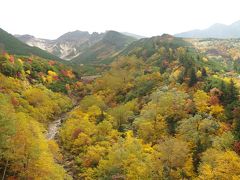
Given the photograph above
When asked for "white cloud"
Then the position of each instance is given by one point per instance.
(51, 18)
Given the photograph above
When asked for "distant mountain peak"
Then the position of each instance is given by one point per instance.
(217, 30)
(115, 37)
(111, 32)
(167, 36)
(73, 35)
(24, 37)
(112, 43)
(72, 44)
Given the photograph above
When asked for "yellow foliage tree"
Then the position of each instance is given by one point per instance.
(219, 165)
(201, 100)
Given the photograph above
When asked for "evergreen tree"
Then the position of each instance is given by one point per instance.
(197, 155)
(193, 78)
(198, 58)
(237, 129)
(223, 89)
(232, 93)
(230, 100)
(236, 115)
(204, 72)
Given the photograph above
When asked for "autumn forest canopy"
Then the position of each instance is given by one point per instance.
(150, 108)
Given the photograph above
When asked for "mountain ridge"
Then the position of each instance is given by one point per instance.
(103, 51)
(71, 44)
(216, 30)
(11, 44)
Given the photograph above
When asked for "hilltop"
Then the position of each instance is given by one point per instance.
(104, 51)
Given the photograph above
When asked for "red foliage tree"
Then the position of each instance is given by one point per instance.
(236, 147)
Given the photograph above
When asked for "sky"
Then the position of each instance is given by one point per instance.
(51, 18)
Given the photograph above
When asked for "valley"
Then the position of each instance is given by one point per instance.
(123, 108)
(119, 90)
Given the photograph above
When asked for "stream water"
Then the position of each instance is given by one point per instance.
(52, 133)
(53, 128)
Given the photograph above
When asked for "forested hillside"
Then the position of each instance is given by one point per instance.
(26, 108)
(12, 45)
(163, 109)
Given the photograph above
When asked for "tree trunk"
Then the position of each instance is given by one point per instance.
(5, 170)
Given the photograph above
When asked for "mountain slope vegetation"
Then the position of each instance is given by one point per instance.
(26, 109)
(12, 45)
(163, 108)
(162, 111)
(104, 50)
(147, 47)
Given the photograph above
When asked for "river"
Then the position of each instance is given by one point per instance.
(53, 128)
(52, 134)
